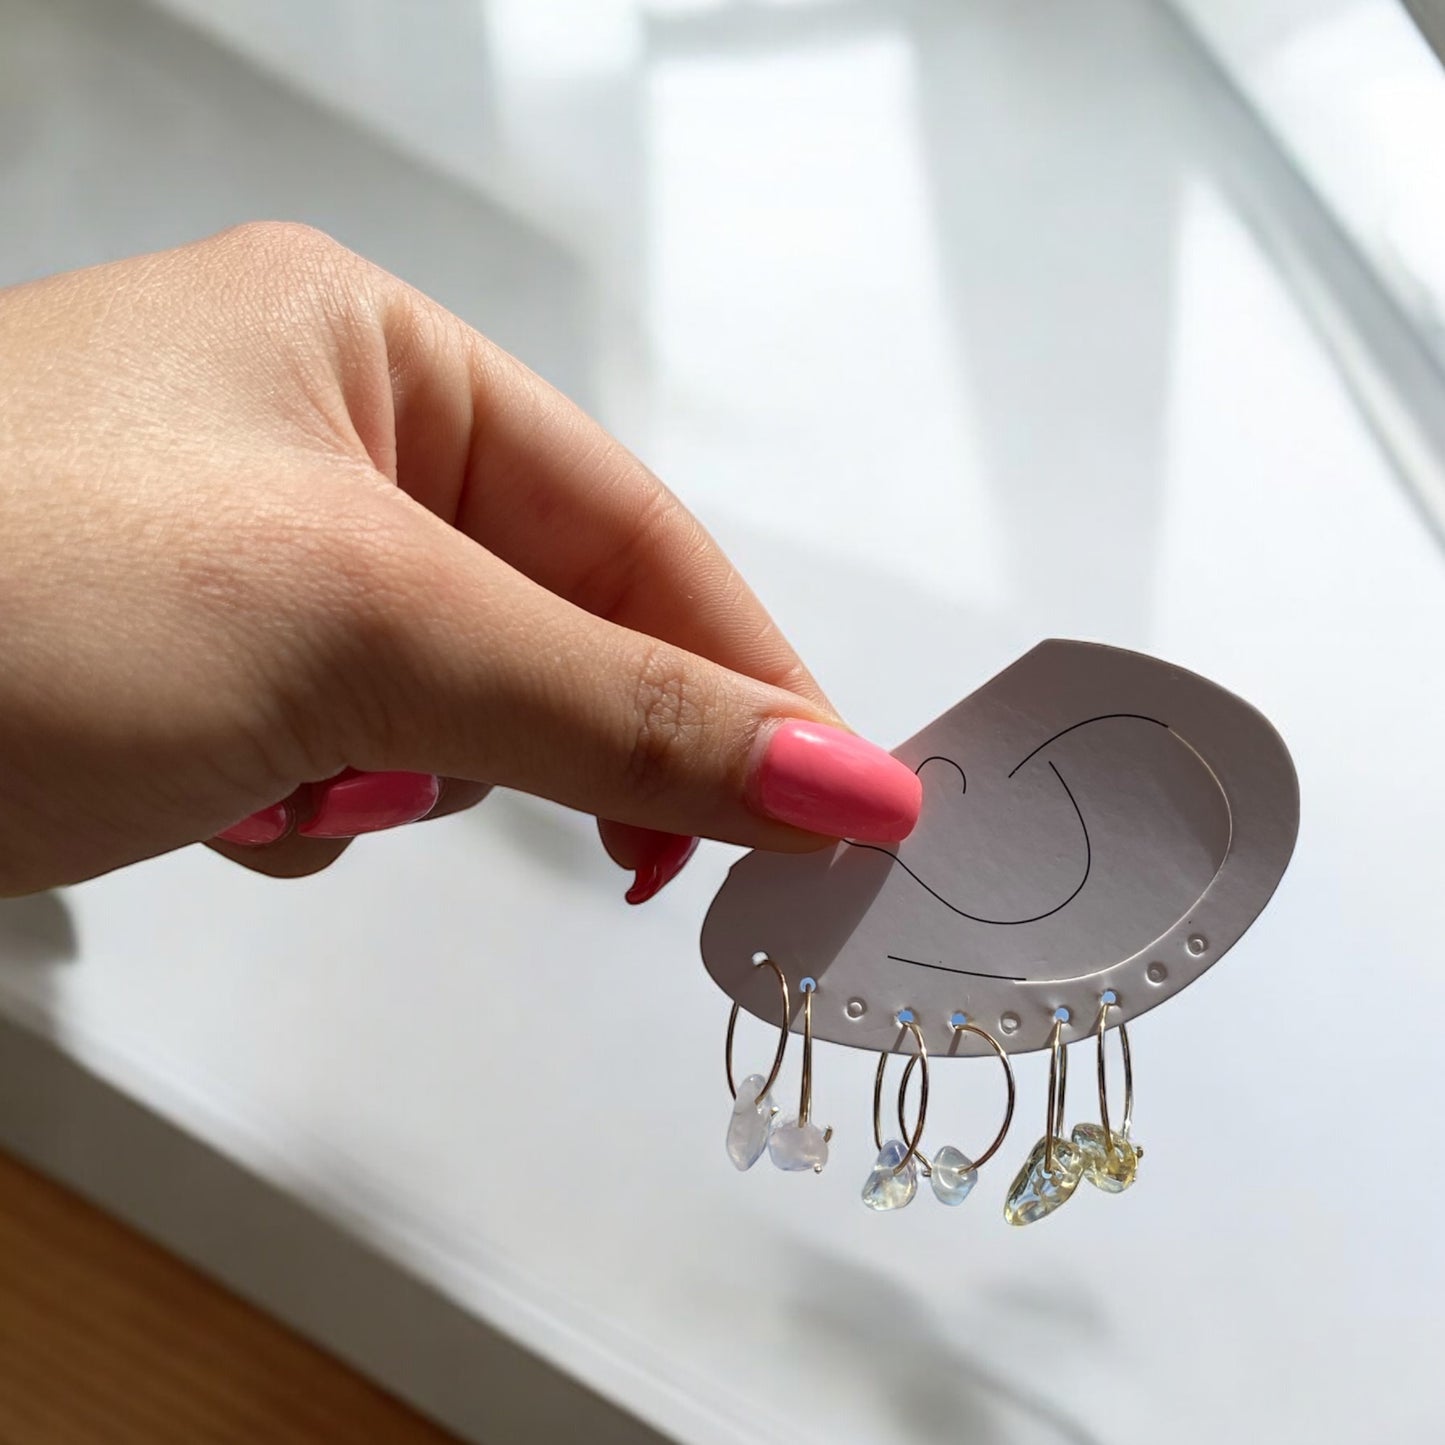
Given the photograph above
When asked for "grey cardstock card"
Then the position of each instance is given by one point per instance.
(1093, 819)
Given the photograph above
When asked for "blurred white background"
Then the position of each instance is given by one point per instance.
(960, 325)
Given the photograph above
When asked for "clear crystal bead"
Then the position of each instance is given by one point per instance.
(887, 1189)
(794, 1146)
(1110, 1166)
(953, 1175)
(749, 1125)
(1038, 1191)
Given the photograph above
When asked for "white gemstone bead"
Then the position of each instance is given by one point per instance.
(886, 1189)
(794, 1146)
(752, 1119)
(953, 1175)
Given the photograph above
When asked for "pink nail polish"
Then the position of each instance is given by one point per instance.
(831, 782)
(270, 825)
(660, 864)
(356, 803)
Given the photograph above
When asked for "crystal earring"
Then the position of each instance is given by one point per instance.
(894, 1179)
(951, 1172)
(1110, 1157)
(753, 1107)
(1054, 1167)
(795, 1143)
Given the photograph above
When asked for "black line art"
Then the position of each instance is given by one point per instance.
(944, 968)
(1102, 717)
(939, 758)
(1002, 922)
(1078, 813)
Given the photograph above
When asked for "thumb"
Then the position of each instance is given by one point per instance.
(491, 677)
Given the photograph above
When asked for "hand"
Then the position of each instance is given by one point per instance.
(272, 518)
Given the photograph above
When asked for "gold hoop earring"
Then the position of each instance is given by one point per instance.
(795, 1143)
(753, 1107)
(1054, 1167)
(894, 1178)
(951, 1172)
(1110, 1157)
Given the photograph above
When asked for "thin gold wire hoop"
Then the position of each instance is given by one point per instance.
(805, 1096)
(1058, 1085)
(922, 1057)
(805, 1093)
(1104, 1006)
(782, 1036)
(1008, 1113)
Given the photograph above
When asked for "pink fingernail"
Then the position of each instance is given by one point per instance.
(831, 782)
(660, 864)
(356, 803)
(270, 825)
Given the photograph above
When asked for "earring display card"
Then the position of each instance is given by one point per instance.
(1093, 819)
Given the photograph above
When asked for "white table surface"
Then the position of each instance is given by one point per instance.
(948, 321)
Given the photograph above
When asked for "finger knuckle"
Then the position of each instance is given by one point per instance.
(267, 244)
(285, 269)
(671, 717)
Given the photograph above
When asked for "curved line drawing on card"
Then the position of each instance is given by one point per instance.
(998, 922)
(1088, 845)
(939, 758)
(1088, 721)
(1078, 813)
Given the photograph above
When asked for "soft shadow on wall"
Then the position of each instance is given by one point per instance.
(38, 938)
(941, 1392)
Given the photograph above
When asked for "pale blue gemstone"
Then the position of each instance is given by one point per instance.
(887, 1189)
(953, 1175)
(748, 1128)
(794, 1146)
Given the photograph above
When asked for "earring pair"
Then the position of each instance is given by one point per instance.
(893, 1181)
(1107, 1157)
(1103, 1155)
(794, 1143)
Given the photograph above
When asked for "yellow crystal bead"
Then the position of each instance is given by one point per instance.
(1112, 1169)
(1038, 1191)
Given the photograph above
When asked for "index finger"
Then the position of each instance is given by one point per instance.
(523, 471)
